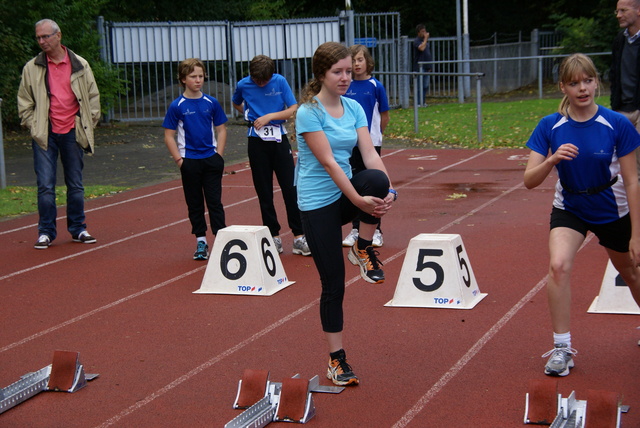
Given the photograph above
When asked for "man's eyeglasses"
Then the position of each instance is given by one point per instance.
(45, 37)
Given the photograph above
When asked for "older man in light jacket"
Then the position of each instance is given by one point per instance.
(59, 102)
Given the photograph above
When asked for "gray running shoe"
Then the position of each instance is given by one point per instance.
(278, 242)
(300, 246)
(560, 360)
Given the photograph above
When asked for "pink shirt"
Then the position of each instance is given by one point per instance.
(63, 103)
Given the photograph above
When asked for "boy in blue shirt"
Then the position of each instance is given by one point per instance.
(266, 101)
(189, 135)
(371, 95)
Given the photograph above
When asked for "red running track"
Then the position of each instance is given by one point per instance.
(168, 357)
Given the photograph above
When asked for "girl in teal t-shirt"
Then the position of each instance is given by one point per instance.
(328, 127)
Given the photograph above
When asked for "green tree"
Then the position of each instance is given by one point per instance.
(274, 9)
(78, 17)
(588, 34)
(77, 20)
(12, 52)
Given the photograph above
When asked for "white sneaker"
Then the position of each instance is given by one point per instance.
(42, 243)
(84, 238)
(377, 239)
(351, 238)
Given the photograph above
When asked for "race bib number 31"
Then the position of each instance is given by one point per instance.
(270, 133)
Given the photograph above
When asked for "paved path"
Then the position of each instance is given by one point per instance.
(127, 154)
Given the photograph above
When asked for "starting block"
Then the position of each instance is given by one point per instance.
(244, 260)
(64, 374)
(266, 401)
(544, 406)
(615, 296)
(436, 273)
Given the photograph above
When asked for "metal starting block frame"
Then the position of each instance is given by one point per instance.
(65, 373)
(287, 401)
(543, 403)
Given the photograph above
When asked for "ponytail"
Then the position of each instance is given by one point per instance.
(310, 90)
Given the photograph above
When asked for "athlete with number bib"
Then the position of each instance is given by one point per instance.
(592, 149)
(266, 101)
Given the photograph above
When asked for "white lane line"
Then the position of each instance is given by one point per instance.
(126, 201)
(109, 244)
(98, 310)
(97, 209)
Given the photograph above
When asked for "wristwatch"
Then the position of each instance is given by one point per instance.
(395, 194)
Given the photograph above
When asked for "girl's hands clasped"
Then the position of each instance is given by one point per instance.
(375, 206)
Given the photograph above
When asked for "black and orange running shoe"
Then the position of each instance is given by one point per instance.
(369, 264)
(340, 371)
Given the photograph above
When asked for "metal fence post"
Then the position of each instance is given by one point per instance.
(479, 107)
(3, 173)
(405, 81)
(350, 28)
(540, 77)
(415, 103)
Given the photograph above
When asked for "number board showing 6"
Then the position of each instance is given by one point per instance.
(244, 260)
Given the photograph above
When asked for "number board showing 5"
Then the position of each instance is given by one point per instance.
(429, 266)
(436, 273)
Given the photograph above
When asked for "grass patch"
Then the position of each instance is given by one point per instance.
(15, 201)
(504, 124)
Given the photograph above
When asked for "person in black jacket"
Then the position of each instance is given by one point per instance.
(422, 54)
(625, 67)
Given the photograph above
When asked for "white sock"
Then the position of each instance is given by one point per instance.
(201, 239)
(562, 338)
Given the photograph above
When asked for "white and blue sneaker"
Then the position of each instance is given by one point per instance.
(42, 243)
(350, 239)
(377, 239)
(84, 238)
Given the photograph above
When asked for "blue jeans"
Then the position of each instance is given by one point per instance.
(424, 89)
(45, 164)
